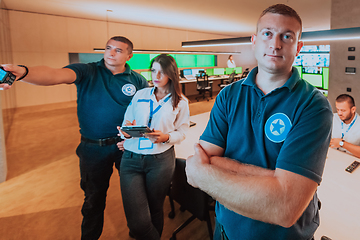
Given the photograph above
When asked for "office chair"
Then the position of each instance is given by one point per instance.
(191, 199)
(228, 81)
(245, 73)
(203, 85)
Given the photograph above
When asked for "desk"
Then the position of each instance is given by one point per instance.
(339, 191)
(186, 148)
(184, 81)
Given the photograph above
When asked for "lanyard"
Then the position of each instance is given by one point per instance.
(152, 111)
(342, 127)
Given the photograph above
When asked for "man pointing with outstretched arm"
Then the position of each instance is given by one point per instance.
(104, 90)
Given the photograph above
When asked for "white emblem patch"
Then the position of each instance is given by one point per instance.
(129, 89)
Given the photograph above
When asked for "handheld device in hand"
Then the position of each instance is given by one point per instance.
(352, 166)
(6, 77)
(136, 131)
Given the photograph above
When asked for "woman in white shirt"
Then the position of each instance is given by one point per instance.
(231, 62)
(148, 162)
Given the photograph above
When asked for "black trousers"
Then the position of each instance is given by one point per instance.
(96, 167)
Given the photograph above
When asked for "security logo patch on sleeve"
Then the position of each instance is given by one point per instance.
(277, 127)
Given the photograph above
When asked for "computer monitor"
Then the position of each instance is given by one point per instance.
(187, 72)
(314, 79)
(229, 70)
(219, 71)
(196, 71)
(210, 71)
(238, 70)
(146, 75)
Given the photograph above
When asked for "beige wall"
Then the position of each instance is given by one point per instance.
(40, 39)
(6, 97)
(344, 14)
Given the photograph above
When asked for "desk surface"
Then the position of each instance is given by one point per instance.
(186, 148)
(339, 191)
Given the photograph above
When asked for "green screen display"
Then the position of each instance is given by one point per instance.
(142, 60)
(219, 71)
(325, 78)
(314, 79)
(205, 60)
(185, 61)
(229, 70)
(210, 71)
(238, 70)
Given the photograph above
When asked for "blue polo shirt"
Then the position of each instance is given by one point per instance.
(288, 128)
(102, 97)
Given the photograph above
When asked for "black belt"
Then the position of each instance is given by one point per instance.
(102, 141)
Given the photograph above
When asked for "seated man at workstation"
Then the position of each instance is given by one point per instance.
(346, 126)
(263, 152)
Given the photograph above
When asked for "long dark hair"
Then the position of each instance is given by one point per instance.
(170, 69)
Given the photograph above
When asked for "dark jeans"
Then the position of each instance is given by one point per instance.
(144, 181)
(96, 167)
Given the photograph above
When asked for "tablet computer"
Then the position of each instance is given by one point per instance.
(136, 131)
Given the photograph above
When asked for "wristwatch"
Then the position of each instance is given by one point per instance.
(341, 143)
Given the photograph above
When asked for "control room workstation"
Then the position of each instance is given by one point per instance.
(188, 77)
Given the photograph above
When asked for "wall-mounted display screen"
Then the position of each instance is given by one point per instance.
(319, 80)
(312, 64)
(142, 60)
(314, 79)
(314, 56)
(309, 60)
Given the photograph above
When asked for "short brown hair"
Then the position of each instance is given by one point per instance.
(124, 40)
(346, 98)
(284, 10)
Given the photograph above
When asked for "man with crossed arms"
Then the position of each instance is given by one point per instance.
(263, 151)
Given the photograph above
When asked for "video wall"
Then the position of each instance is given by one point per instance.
(142, 60)
(313, 65)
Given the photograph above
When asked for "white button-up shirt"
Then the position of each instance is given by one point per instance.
(175, 123)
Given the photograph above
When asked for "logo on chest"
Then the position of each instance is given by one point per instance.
(277, 127)
(129, 89)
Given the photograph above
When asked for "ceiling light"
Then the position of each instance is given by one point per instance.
(218, 42)
(172, 51)
(324, 35)
(332, 34)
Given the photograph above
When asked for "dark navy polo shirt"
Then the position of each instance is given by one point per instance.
(102, 97)
(288, 128)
